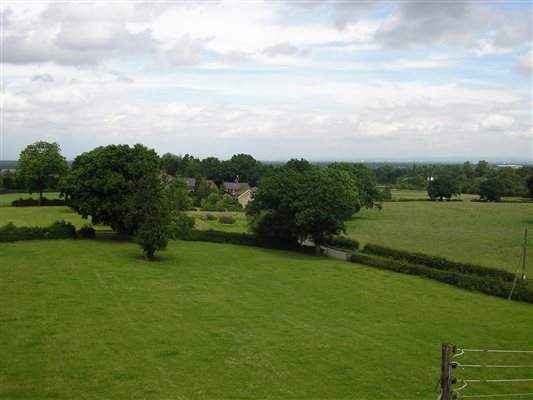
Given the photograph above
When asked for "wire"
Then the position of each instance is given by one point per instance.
(496, 351)
(494, 366)
(494, 380)
(478, 396)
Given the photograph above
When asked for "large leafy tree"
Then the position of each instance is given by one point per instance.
(40, 166)
(364, 179)
(491, 189)
(300, 201)
(117, 185)
(443, 187)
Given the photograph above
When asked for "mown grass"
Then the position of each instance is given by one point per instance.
(489, 234)
(202, 223)
(89, 319)
(7, 198)
(40, 216)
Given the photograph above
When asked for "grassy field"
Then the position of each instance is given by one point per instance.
(202, 223)
(89, 319)
(482, 233)
(40, 216)
(417, 195)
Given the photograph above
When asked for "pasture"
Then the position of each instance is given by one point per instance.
(489, 234)
(90, 319)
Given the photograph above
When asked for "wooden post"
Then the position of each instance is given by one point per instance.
(521, 267)
(446, 372)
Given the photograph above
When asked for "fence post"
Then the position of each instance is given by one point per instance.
(446, 371)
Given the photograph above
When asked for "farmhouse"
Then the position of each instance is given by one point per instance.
(191, 184)
(246, 197)
(235, 188)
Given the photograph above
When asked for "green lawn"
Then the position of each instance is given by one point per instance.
(482, 233)
(7, 198)
(202, 223)
(90, 320)
(40, 216)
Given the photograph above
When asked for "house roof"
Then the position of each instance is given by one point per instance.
(236, 186)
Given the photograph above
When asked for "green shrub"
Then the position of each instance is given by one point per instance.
(440, 263)
(58, 230)
(86, 232)
(342, 242)
(226, 220)
(210, 217)
(31, 202)
(483, 284)
(180, 226)
(245, 239)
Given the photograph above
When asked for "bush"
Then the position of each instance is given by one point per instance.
(210, 217)
(58, 230)
(30, 202)
(440, 263)
(226, 220)
(483, 284)
(180, 226)
(86, 232)
(342, 242)
(245, 239)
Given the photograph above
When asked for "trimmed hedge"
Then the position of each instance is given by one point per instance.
(244, 239)
(342, 242)
(86, 232)
(58, 230)
(483, 284)
(226, 220)
(30, 202)
(439, 263)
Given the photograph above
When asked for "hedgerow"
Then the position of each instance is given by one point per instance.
(342, 242)
(483, 284)
(58, 230)
(30, 202)
(439, 263)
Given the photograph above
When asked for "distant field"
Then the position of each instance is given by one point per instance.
(90, 320)
(482, 233)
(41, 216)
(202, 223)
(401, 194)
(7, 198)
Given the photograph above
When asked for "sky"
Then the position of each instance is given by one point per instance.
(320, 80)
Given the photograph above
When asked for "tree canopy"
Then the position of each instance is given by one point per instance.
(116, 185)
(443, 187)
(300, 201)
(40, 166)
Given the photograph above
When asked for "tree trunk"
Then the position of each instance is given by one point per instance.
(149, 255)
(40, 197)
(317, 249)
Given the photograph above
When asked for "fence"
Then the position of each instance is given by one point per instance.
(457, 387)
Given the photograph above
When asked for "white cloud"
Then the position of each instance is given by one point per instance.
(523, 64)
(497, 122)
(188, 51)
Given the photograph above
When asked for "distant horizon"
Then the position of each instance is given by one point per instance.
(369, 160)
